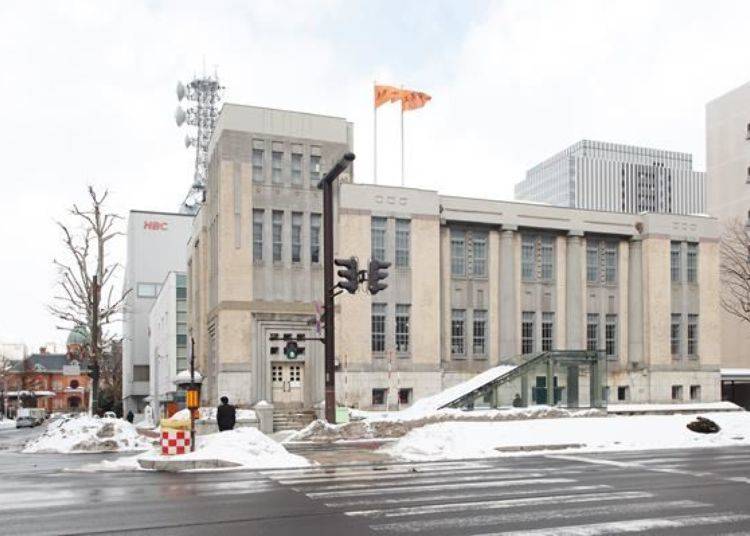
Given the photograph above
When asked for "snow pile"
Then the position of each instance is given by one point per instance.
(88, 434)
(247, 447)
(456, 440)
(615, 407)
(7, 423)
(397, 424)
(210, 414)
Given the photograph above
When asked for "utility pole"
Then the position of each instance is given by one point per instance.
(94, 343)
(326, 184)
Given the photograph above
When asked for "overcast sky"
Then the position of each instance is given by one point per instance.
(88, 93)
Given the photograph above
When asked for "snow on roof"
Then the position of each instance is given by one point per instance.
(437, 401)
(735, 372)
(30, 393)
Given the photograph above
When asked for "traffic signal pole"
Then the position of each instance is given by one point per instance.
(326, 184)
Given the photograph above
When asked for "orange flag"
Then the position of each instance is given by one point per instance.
(411, 100)
(385, 94)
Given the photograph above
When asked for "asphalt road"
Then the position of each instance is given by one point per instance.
(685, 492)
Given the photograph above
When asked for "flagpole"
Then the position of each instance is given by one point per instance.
(375, 137)
(402, 143)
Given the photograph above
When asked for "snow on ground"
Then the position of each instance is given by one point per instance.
(247, 447)
(684, 406)
(210, 413)
(456, 440)
(7, 423)
(88, 434)
(396, 424)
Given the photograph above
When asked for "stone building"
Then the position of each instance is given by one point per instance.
(473, 282)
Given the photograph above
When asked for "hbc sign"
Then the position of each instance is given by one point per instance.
(155, 225)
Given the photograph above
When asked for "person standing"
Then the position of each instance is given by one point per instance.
(225, 415)
(130, 416)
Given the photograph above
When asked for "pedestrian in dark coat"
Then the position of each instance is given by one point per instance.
(130, 416)
(225, 415)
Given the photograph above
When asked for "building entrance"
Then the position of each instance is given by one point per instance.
(287, 380)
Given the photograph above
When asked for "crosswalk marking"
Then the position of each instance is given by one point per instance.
(384, 475)
(419, 489)
(369, 469)
(443, 523)
(460, 494)
(621, 527)
(497, 504)
(387, 484)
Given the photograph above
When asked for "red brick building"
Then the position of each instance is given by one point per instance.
(56, 382)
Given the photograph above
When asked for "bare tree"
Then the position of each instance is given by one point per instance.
(86, 295)
(735, 269)
(6, 364)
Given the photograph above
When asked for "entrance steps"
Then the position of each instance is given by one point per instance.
(292, 419)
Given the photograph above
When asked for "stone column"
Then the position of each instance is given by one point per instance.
(508, 320)
(635, 301)
(574, 298)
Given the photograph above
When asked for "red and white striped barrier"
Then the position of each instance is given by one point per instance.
(175, 442)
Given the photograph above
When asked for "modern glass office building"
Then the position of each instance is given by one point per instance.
(617, 178)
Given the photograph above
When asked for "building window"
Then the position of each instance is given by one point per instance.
(258, 234)
(379, 397)
(315, 238)
(378, 327)
(257, 165)
(692, 336)
(405, 396)
(677, 392)
(592, 262)
(623, 393)
(675, 335)
(403, 240)
(458, 332)
(402, 328)
(479, 339)
(548, 330)
(148, 290)
(547, 259)
(695, 393)
(277, 228)
(296, 168)
(610, 263)
(315, 169)
(458, 253)
(296, 236)
(675, 258)
(592, 332)
(528, 257)
(692, 263)
(140, 373)
(479, 254)
(377, 236)
(610, 335)
(276, 158)
(527, 332)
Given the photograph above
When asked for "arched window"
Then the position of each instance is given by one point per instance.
(74, 384)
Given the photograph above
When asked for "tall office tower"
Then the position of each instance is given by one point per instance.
(728, 169)
(156, 246)
(619, 178)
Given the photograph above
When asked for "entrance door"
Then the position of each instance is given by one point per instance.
(286, 383)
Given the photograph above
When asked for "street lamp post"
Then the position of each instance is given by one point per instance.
(326, 184)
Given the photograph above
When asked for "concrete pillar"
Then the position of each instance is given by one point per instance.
(264, 411)
(572, 386)
(635, 300)
(525, 390)
(550, 382)
(574, 298)
(508, 320)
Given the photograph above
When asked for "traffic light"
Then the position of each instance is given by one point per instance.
(350, 281)
(291, 350)
(375, 274)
